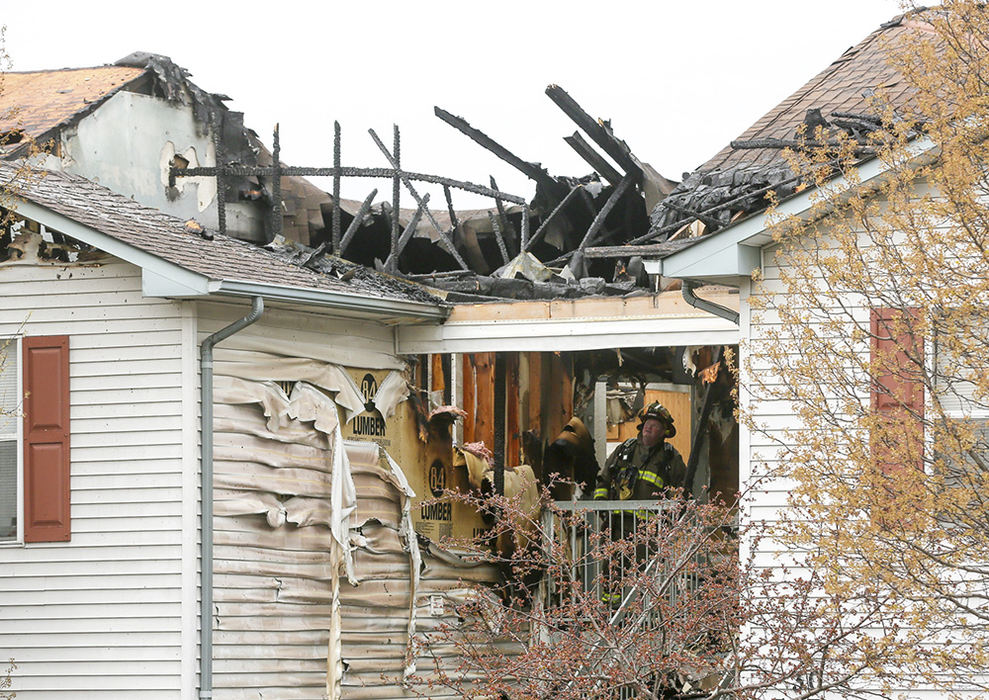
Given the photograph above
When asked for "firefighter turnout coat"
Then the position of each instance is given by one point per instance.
(636, 472)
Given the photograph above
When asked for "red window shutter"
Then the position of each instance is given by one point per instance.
(898, 390)
(46, 438)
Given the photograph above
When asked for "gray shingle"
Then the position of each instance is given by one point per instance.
(223, 258)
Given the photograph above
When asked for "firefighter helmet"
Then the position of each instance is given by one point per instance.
(657, 411)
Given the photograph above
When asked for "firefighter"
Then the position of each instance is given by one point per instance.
(643, 467)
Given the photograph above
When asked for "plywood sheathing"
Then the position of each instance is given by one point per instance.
(484, 418)
(469, 397)
(557, 400)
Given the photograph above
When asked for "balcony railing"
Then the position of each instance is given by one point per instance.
(630, 554)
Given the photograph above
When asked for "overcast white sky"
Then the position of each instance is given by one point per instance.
(677, 80)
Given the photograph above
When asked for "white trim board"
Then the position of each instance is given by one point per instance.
(565, 335)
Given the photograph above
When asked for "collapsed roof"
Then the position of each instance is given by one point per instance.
(578, 236)
(590, 233)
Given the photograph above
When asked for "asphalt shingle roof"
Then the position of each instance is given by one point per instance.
(38, 101)
(738, 178)
(223, 258)
(843, 86)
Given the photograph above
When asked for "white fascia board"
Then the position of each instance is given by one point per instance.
(154, 284)
(157, 272)
(566, 335)
(336, 300)
(733, 252)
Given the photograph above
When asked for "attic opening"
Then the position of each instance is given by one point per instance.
(24, 240)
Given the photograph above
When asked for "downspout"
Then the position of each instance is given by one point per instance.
(206, 494)
(687, 289)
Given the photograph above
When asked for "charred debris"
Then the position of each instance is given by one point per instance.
(578, 236)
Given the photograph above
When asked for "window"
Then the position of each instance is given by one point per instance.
(34, 440)
(10, 438)
(962, 437)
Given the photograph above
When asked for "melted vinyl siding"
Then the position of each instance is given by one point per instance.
(374, 615)
(274, 584)
(272, 578)
(100, 616)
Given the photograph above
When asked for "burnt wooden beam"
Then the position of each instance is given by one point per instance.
(444, 239)
(391, 264)
(346, 171)
(624, 251)
(598, 222)
(499, 237)
(396, 193)
(700, 216)
(454, 222)
(797, 145)
(276, 185)
(341, 246)
(351, 231)
(593, 158)
(507, 227)
(335, 218)
(871, 118)
(559, 207)
(602, 136)
(531, 170)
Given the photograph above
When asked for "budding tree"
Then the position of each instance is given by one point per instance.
(645, 600)
(872, 329)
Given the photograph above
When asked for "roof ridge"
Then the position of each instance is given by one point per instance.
(68, 69)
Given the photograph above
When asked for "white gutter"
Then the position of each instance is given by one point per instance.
(335, 299)
(206, 494)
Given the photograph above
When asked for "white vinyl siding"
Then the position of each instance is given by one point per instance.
(101, 616)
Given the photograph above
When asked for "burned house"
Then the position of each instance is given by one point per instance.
(122, 262)
(132, 257)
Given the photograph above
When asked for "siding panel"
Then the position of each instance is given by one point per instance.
(100, 616)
